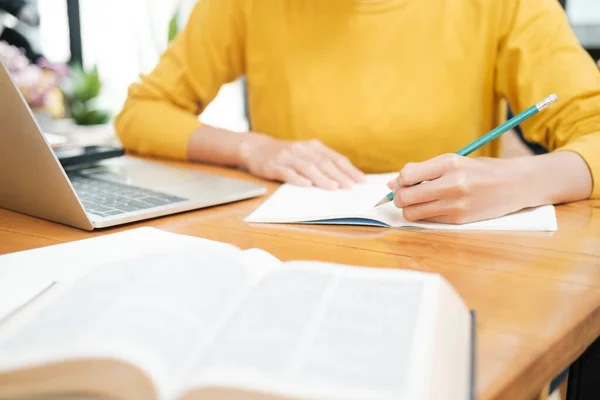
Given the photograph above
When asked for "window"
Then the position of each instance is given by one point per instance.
(584, 12)
(54, 30)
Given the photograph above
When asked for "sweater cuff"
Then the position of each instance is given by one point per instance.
(588, 147)
(176, 146)
(159, 132)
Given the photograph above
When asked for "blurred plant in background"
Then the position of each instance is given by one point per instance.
(174, 25)
(39, 83)
(56, 89)
(82, 91)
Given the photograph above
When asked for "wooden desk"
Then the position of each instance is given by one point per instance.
(537, 295)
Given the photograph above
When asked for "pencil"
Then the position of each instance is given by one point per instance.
(493, 134)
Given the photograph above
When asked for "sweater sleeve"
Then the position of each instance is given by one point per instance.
(161, 111)
(538, 54)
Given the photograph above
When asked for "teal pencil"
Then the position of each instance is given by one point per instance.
(494, 133)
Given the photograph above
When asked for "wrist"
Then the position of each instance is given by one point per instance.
(528, 181)
(247, 146)
(222, 147)
(552, 178)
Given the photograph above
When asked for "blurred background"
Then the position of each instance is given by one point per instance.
(115, 40)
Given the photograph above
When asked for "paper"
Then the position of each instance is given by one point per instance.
(364, 337)
(15, 294)
(153, 309)
(24, 275)
(294, 204)
(318, 327)
(193, 314)
(183, 312)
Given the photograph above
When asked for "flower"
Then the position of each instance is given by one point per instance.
(39, 83)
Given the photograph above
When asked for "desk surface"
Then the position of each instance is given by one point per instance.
(537, 295)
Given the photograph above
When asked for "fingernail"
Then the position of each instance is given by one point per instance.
(392, 184)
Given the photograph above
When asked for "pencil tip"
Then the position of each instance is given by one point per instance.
(381, 202)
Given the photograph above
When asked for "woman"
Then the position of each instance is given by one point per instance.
(339, 88)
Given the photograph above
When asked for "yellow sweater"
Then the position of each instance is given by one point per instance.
(383, 82)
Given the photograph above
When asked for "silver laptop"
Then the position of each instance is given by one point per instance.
(109, 193)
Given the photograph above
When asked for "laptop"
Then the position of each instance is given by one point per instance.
(104, 194)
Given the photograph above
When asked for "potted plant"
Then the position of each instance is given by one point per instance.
(82, 91)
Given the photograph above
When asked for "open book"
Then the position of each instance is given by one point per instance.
(310, 205)
(195, 319)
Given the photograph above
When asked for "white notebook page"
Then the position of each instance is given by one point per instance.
(295, 203)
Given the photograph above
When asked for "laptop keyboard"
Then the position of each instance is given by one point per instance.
(106, 198)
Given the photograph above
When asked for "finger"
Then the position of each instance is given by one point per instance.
(425, 192)
(448, 209)
(320, 156)
(330, 169)
(452, 219)
(289, 175)
(394, 184)
(309, 170)
(342, 163)
(350, 170)
(413, 173)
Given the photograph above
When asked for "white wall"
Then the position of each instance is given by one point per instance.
(584, 11)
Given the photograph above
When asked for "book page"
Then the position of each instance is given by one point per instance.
(15, 297)
(193, 313)
(450, 342)
(151, 311)
(24, 275)
(316, 330)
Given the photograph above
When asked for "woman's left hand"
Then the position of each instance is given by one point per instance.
(460, 189)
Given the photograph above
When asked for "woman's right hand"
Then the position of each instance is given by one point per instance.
(302, 163)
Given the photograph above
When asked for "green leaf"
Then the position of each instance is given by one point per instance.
(96, 117)
(89, 86)
(68, 86)
(83, 86)
(173, 26)
(84, 114)
(81, 91)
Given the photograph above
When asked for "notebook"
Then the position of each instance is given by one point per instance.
(155, 315)
(310, 205)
